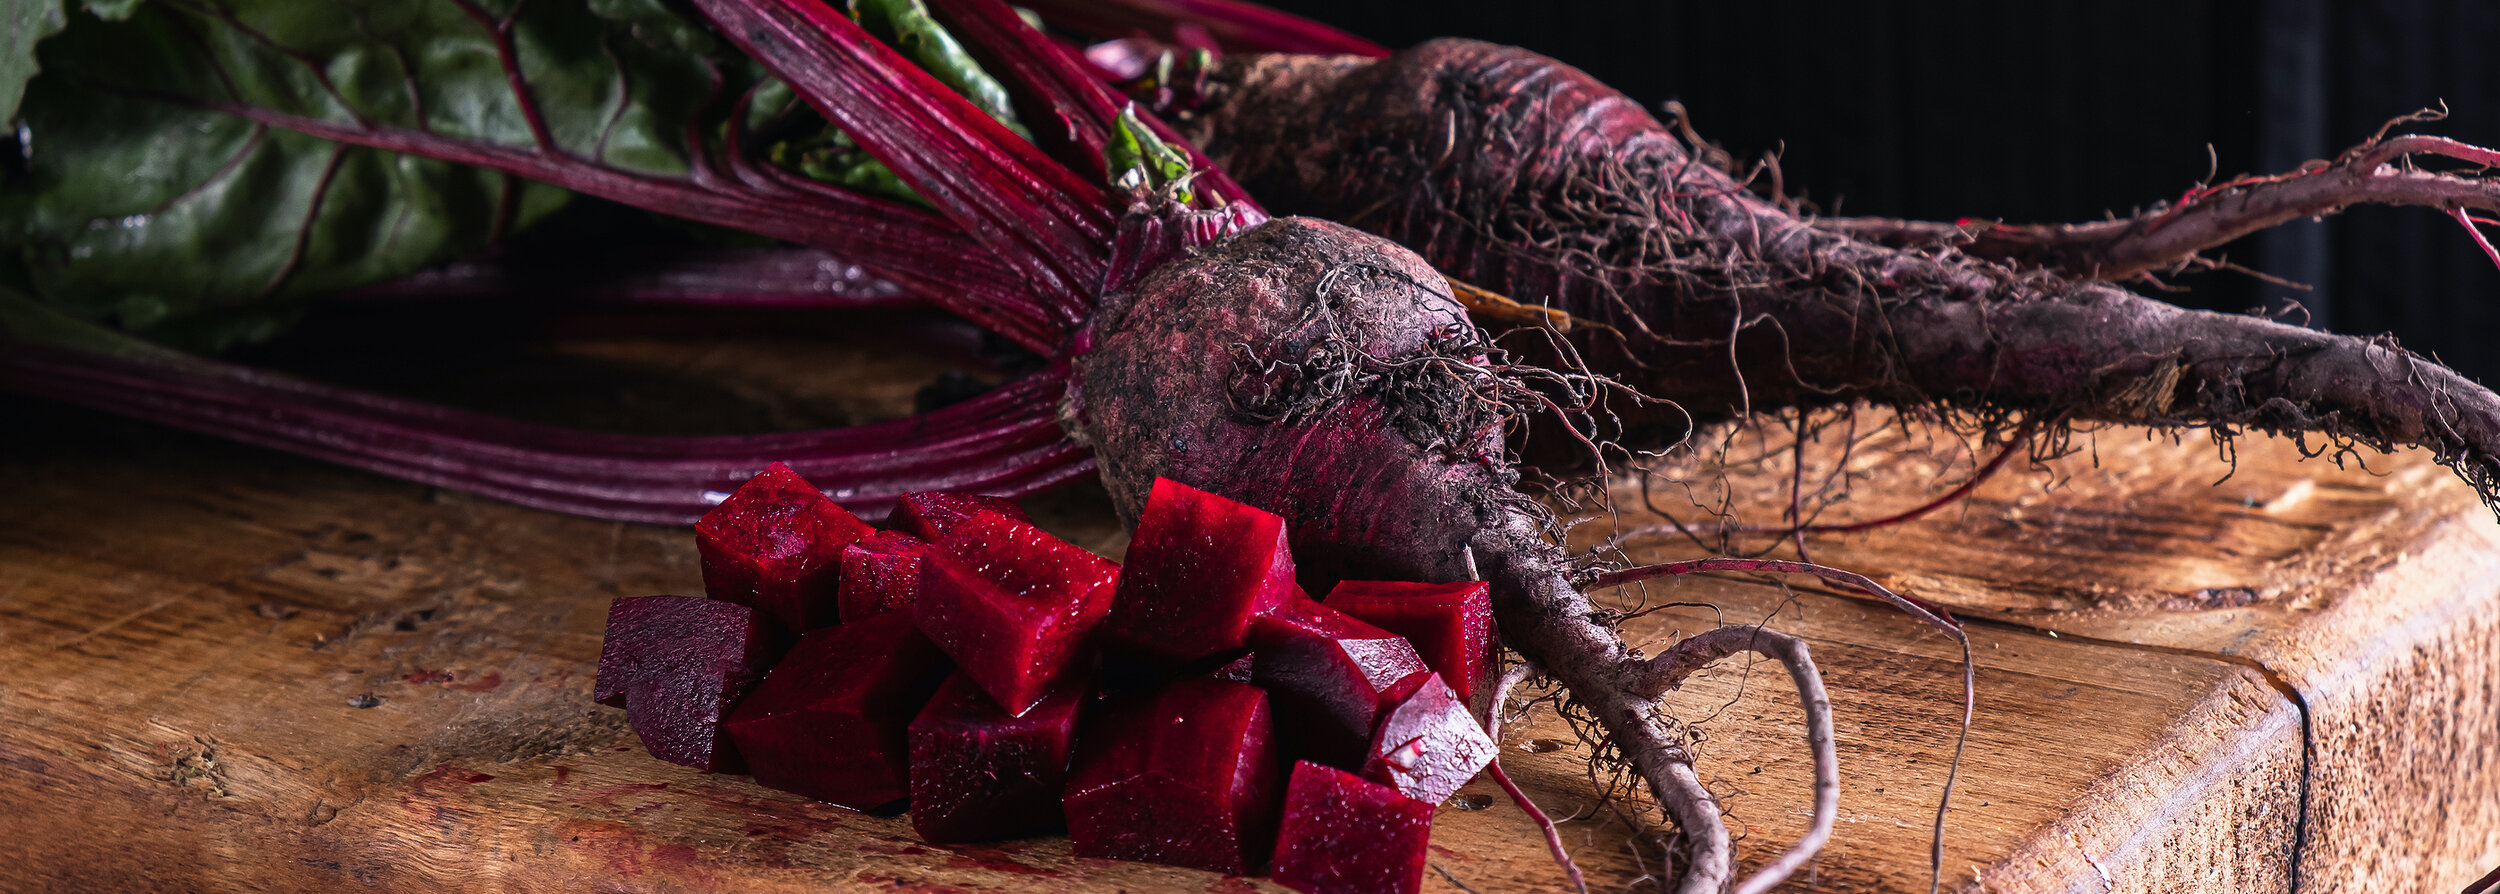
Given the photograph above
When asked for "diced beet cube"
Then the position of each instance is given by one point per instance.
(1331, 675)
(1199, 568)
(1429, 745)
(1346, 835)
(1451, 625)
(776, 544)
(1187, 776)
(1012, 604)
(880, 574)
(929, 516)
(829, 721)
(978, 773)
(677, 664)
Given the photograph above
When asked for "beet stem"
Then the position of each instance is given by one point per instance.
(1006, 442)
(1036, 214)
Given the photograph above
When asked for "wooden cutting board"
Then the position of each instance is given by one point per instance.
(227, 669)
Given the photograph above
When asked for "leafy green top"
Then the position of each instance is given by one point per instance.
(162, 183)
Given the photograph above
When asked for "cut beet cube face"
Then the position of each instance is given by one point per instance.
(929, 516)
(1186, 776)
(1451, 625)
(880, 574)
(979, 773)
(1011, 604)
(829, 721)
(1429, 745)
(776, 544)
(1332, 677)
(1199, 568)
(1346, 835)
(677, 664)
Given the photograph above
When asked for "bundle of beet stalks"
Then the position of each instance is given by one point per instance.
(187, 173)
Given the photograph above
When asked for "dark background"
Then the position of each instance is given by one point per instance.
(2056, 110)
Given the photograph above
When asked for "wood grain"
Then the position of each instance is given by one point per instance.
(2181, 687)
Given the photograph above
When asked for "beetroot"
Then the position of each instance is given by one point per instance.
(879, 574)
(1012, 604)
(676, 664)
(829, 721)
(1199, 568)
(1187, 776)
(1654, 253)
(1346, 835)
(1331, 676)
(1429, 745)
(776, 544)
(929, 516)
(979, 773)
(1451, 625)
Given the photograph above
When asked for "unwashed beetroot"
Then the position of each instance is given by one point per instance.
(1012, 604)
(929, 516)
(676, 664)
(1451, 625)
(1429, 745)
(979, 773)
(829, 721)
(880, 574)
(776, 544)
(1332, 676)
(1346, 835)
(1186, 777)
(1199, 568)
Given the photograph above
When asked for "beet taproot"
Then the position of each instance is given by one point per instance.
(776, 544)
(1199, 568)
(1014, 606)
(831, 720)
(979, 773)
(1186, 776)
(1343, 834)
(678, 665)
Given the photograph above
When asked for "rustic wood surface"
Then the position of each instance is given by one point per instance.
(2285, 678)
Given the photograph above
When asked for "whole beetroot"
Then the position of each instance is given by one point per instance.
(1523, 175)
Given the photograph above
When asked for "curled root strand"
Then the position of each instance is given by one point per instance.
(1658, 675)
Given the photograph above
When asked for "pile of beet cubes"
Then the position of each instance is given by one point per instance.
(1194, 708)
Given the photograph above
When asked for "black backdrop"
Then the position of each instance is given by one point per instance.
(2061, 110)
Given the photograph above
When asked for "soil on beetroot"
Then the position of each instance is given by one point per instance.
(1520, 174)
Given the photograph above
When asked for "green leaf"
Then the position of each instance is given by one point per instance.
(28, 22)
(907, 26)
(146, 202)
(144, 206)
(1142, 163)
